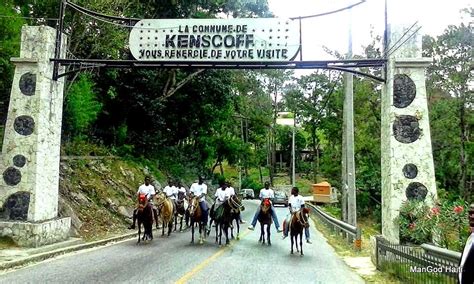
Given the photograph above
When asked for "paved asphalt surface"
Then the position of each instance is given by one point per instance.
(175, 260)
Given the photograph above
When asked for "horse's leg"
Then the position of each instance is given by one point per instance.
(192, 231)
(175, 221)
(301, 243)
(163, 227)
(238, 227)
(181, 223)
(170, 226)
(296, 241)
(226, 228)
(139, 231)
(261, 233)
(210, 226)
(151, 230)
(291, 238)
(202, 229)
(217, 233)
(268, 234)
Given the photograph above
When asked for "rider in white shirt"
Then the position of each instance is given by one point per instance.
(295, 203)
(266, 192)
(200, 189)
(221, 195)
(171, 191)
(149, 190)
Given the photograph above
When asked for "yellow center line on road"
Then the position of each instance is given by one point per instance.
(209, 260)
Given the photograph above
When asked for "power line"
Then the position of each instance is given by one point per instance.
(400, 45)
(330, 12)
(403, 35)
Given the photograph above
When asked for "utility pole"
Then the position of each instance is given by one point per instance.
(344, 162)
(293, 175)
(351, 190)
(240, 160)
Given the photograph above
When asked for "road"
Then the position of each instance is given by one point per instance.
(175, 260)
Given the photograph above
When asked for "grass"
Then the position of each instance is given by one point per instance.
(6, 242)
(344, 249)
(402, 271)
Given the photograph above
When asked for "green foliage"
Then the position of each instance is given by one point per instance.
(79, 147)
(82, 106)
(253, 184)
(10, 30)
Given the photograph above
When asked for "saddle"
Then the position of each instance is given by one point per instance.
(142, 201)
(266, 205)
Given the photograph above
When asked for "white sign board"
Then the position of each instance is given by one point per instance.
(223, 40)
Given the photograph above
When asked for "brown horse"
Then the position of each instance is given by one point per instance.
(196, 216)
(166, 208)
(145, 217)
(299, 220)
(180, 213)
(265, 218)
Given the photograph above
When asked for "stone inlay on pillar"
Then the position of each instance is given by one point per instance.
(12, 176)
(406, 129)
(24, 125)
(416, 191)
(19, 161)
(404, 91)
(28, 84)
(410, 171)
(16, 206)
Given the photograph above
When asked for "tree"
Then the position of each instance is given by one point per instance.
(451, 75)
(10, 31)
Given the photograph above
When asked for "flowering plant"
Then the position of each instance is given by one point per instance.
(447, 223)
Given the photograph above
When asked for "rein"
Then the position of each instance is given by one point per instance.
(299, 217)
(234, 205)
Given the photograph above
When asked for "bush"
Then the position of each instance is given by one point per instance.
(447, 223)
(253, 184)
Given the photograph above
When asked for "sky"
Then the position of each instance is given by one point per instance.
(332, 30)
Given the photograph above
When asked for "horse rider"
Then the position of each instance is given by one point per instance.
(199, 189)
(221, 195)
(149, 191)
(266, 192)
(181, 191)
(295, 203)
(171, 192)
(231, 191)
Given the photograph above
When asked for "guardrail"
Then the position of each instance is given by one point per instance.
(417, 264)
(352, 233)
(442, 253)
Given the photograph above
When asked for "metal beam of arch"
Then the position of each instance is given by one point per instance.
(338, 65)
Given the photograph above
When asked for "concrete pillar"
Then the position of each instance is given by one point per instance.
(31, 148)
(407, 158)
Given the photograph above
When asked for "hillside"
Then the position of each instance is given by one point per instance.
(98, 194)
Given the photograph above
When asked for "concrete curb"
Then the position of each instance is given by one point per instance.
(50, 254)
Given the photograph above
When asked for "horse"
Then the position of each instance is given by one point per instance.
(181, 208)
(196, 216)
(145, 217)
(299, 220)
(236, 206)
(265, 218)
(166, 208)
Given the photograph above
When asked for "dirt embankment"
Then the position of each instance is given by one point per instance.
(98, 195)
